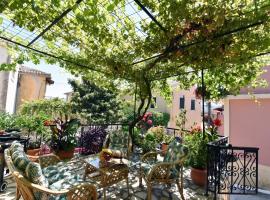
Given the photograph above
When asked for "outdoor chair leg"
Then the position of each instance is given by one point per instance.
(180, 189)
(149, 192)
(127, 186)
(104, 193)
(18, 194)
(140, 178)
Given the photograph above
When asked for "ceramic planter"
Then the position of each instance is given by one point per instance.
(199, 176)
(33, 152)
(164, 148)
(65, 154)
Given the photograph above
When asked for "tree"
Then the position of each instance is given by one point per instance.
(52, 108)
(227, 38)
(95, 104)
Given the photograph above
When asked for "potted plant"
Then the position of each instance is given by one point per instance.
(149, 142)
(197, 141)
(166, 141)
(63, 139)
(33, 148)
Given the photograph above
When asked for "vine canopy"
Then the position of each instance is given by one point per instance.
(109, 40)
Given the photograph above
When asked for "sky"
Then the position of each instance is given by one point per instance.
(59, 76)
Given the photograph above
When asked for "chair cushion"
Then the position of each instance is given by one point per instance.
(15, 146)
(175, 152)
(21, 161)
(118, 140)
(34, 174)
(60, 171)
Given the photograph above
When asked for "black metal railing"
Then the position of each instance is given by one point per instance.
(231, 169)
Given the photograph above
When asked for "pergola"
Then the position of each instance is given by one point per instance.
(116, 28)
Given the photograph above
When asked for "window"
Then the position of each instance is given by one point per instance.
(182, 102)
(192, 106)
(154, 103)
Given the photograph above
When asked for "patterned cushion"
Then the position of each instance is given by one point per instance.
(118, 140)
(34, 174)
(15, 146)
(21, 161)
(62, 176)
(175, 152)
(60, 171)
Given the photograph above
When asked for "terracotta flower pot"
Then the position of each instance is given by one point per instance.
(65, 154)
(199, 176)
(33, 152)
(164, 148)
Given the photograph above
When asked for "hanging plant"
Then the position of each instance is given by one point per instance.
(199, 93)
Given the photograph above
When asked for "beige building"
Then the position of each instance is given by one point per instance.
(22, 84)
(185, 100)
(31, 85)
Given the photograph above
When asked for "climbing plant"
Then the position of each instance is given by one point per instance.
(100, 40)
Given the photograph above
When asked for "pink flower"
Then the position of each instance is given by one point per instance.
(149, 121)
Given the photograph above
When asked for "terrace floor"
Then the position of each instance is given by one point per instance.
(159, 192)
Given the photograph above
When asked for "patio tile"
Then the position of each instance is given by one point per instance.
(159, 192)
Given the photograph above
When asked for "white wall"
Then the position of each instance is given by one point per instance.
(8, 84)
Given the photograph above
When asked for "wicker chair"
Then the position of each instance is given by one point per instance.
(168, 171)
(27, 189)
(118, 141)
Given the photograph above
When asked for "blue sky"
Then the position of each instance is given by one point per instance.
(59, 75)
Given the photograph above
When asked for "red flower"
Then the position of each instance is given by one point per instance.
(196, 129)
(149, 122)
(217, 122)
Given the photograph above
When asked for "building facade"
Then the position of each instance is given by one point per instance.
(23, 84)
(246, 123)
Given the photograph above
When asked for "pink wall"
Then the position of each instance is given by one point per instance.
(250, 126)
(266, 90)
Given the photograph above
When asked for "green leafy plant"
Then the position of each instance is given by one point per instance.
(93, 103)
(159, 132)
(64, 135)
(52, 108)
(167, 139)
(196, 142)
(160, 118)
(8, 122)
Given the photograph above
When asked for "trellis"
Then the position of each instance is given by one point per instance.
(133, 10)
(33, 41)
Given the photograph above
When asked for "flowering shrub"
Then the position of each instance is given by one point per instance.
(146, 122)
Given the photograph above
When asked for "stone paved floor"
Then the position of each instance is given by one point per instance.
(159, 192)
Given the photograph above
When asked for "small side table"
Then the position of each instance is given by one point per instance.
(106, 176)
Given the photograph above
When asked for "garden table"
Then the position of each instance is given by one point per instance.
(104, 176)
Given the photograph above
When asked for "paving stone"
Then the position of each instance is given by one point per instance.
(165, 193)
(141, 195)
(160, 192)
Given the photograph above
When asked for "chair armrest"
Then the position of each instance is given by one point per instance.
(149, 156)
(77, 191)
(49, 159)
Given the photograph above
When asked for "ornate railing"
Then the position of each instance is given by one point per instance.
(230, 169)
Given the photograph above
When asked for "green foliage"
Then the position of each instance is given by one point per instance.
(29, 124)
(8, 121)
(159, 132)
(93, 103)
(181, 119)
(149, 142)
(167, 139)
(197, 145)
(52, 108)
(223, 37)
(160, 118)
(64, 134)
